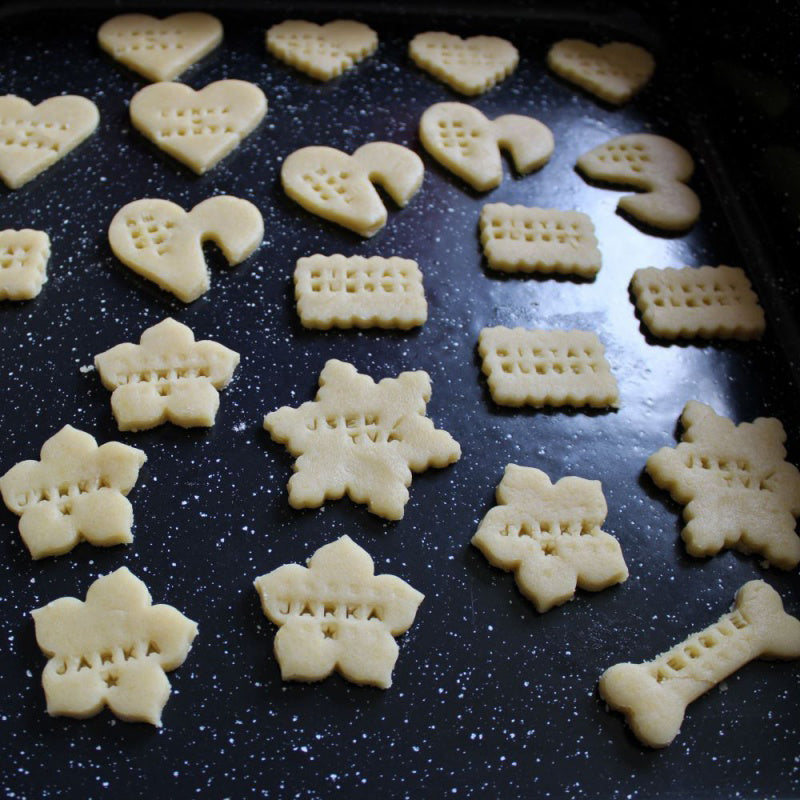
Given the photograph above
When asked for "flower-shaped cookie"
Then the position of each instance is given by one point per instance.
(23, 263)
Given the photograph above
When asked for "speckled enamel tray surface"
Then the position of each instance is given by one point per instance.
(490, 699)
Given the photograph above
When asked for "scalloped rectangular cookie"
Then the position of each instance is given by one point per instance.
(353, 291)
(711, 302)
(528, 239)
(546, 368)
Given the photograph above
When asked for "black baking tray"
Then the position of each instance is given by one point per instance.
(490, 698)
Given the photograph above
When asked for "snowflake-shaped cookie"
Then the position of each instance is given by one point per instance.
(362, 439)
(735, 483)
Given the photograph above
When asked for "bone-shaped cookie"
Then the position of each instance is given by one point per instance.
(111, 650)
(336, 614)
(164, 243)
(654, 695)
(201, 127)
(338, 187)
(167, 377)
(23, 263)
(462, 139)
(33, 138)
(659, 167)
(160, 49)
(77, 491)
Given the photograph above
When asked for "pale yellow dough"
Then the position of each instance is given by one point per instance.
(470, 66)
(550, 536)
(201, 127)
(76, 492)
(613, 72)
(23, 263)
(462, 139)
(33, 138)
(654, 164)
(168, 377)
(353, 291)
(160, 49)
(338, 187)
(737, 488)
(321, 51)
(362, 439)
(111, 650)
(523, 239)
(164, 243)
(546, 368)
(336, 614)
(711, 302)
(654, 695)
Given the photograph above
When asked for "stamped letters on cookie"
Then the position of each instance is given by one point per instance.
(462, 139)
(336, 614)
(23, 263)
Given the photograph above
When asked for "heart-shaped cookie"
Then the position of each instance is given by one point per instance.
(613, 72)
(470, 66)
(468, 144)
(23, 263)
(32, 138)
(201, 127)
(338, 187)
(160, 49)
(321, 51)
(164, 243)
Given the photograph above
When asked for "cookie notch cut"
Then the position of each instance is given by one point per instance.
(707, 302)
(654, 696)
(23, 263)
(737, 488)
(75, 492)
(161, 242)
(167, 377)
(470, 66)
(353, 291)
(528, 239)
(362, 439)
(614, 72)
(338, 187)
(546, 368)
(336, 614)
(33, 138)
(111, 650)
(550, 536)
(198, 128)
(321, 51)
(468, 144)
(659, 167)
(160, 49)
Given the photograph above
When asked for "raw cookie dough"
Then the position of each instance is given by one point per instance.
(23, 263)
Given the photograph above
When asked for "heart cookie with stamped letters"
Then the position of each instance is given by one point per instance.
(33, 138)
(470, 66)
(164, 243)
(201, 127)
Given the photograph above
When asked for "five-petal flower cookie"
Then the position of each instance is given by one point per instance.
(77, 491)
(201, 127)
(111, 650)
(33, 138)
(362, 439)
(654, 164)
(321, 51)
(338, 187)
(470, 66)
(23, 263)
(337, 614)
(462, 139)
(613, 72)
(164, 243)
(550, 536)
(160, 49)
(167, 377)
(737, 488)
